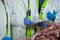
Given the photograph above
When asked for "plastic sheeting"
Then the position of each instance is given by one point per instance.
(17, 12)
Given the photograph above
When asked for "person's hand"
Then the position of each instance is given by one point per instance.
(51, 16)
(27, 21)
(43, 24)
(7, 38)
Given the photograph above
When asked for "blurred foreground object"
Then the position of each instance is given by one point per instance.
(51, 32)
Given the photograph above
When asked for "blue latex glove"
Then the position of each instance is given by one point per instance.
(51, 16)
(6, 38)
(27, 22)
(43, 24)
(41, 2)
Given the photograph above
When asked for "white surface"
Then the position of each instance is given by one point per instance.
(2, 20)
(18, 32)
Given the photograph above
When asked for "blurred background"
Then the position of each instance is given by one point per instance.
(16, 16)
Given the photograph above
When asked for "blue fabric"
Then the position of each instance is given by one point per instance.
(6, 38)
(27, 22)
(51, 16)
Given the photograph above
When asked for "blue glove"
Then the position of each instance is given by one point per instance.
(6, 38)
(27, 22)
(51, 16)
(43, 24)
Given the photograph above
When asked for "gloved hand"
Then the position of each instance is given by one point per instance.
(51, 16)
(6, 38)
(43, 24)
(27, 21)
